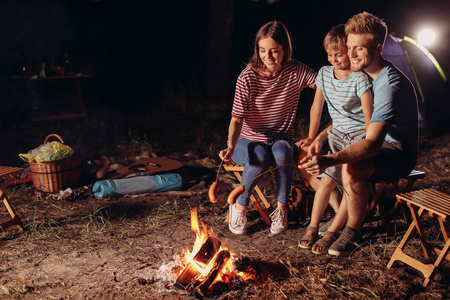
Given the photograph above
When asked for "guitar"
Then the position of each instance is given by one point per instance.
(150, 165)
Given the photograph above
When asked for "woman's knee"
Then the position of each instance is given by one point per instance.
(283, 152)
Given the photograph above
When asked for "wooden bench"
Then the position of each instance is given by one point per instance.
(438, 205)
(377, 190)
(263, 211)
(8, 173)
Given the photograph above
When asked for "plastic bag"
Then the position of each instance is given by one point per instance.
(137, 185)
(50, 151)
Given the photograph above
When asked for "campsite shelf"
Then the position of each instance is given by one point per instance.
(55, 97)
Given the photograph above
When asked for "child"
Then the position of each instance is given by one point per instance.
(349, 101)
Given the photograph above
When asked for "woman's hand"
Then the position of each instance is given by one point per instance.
(226, 154)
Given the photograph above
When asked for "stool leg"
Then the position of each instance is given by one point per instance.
(423, 240)
(446, 234)
(262, 197)
(15, 219)
(376, 196)
(426, 269)
(263, 212)
(444, 229)
(402, 205)
(398, 253)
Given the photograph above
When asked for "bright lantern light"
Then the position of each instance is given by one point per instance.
(427, 37)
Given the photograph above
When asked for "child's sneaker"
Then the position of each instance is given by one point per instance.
(279, 219)
(238, 220)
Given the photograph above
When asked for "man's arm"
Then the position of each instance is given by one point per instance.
(376, 132)
(369, 147)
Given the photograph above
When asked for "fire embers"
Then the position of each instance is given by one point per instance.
(210, 270)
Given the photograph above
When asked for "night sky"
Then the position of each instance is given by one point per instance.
(136, 49)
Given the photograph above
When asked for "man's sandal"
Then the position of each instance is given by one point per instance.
(311, 239)
(325, 244)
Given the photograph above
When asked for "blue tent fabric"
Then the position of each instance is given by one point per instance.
(412, 62)
(394, 53)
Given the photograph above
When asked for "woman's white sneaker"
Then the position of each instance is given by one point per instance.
(237, 220)
(279, 219)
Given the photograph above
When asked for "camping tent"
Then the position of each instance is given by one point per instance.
(428, 78)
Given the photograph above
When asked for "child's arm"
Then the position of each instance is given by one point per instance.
(367, 106)
(314, 118)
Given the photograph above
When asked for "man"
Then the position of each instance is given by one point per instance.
(390, 148)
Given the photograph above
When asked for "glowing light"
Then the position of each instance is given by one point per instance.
(428, 54)
(427, 37)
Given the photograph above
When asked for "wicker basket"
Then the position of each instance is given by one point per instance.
(56, 175)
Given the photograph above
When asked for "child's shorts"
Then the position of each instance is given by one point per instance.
(338, 141)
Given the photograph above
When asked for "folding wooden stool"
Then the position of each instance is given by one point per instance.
(264, 212)
(377, 189)
(438, 205)
(9, 173)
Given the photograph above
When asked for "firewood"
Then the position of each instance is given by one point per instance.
(186, 278)
(208, 250)
(221, 261)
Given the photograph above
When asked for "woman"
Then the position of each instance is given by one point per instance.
(262, 124)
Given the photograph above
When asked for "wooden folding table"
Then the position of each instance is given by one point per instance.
(438, 205)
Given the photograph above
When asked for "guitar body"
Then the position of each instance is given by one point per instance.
(150, 165)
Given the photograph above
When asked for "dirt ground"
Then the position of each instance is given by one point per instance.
(123, 248)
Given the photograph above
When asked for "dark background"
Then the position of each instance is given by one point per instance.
(138, 50)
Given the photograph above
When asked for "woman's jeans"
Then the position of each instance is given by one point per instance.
(257, 158)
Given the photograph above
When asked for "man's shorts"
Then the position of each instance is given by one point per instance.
(391, 163)
(338, 141)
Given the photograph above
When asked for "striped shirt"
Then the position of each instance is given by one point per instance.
(268, 106)
(344, 98)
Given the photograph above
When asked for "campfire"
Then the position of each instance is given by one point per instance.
(208, 263)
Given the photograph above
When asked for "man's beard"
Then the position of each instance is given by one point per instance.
(356, 68)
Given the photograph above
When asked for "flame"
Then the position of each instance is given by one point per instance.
(202, 234)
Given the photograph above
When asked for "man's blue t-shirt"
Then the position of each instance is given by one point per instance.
(395, 103)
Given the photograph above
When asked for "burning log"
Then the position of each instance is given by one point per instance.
(208, 263)
(220, 262)
(192, 279)
(188, 278)
(208, 250)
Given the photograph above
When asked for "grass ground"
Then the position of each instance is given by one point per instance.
(116, 248)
